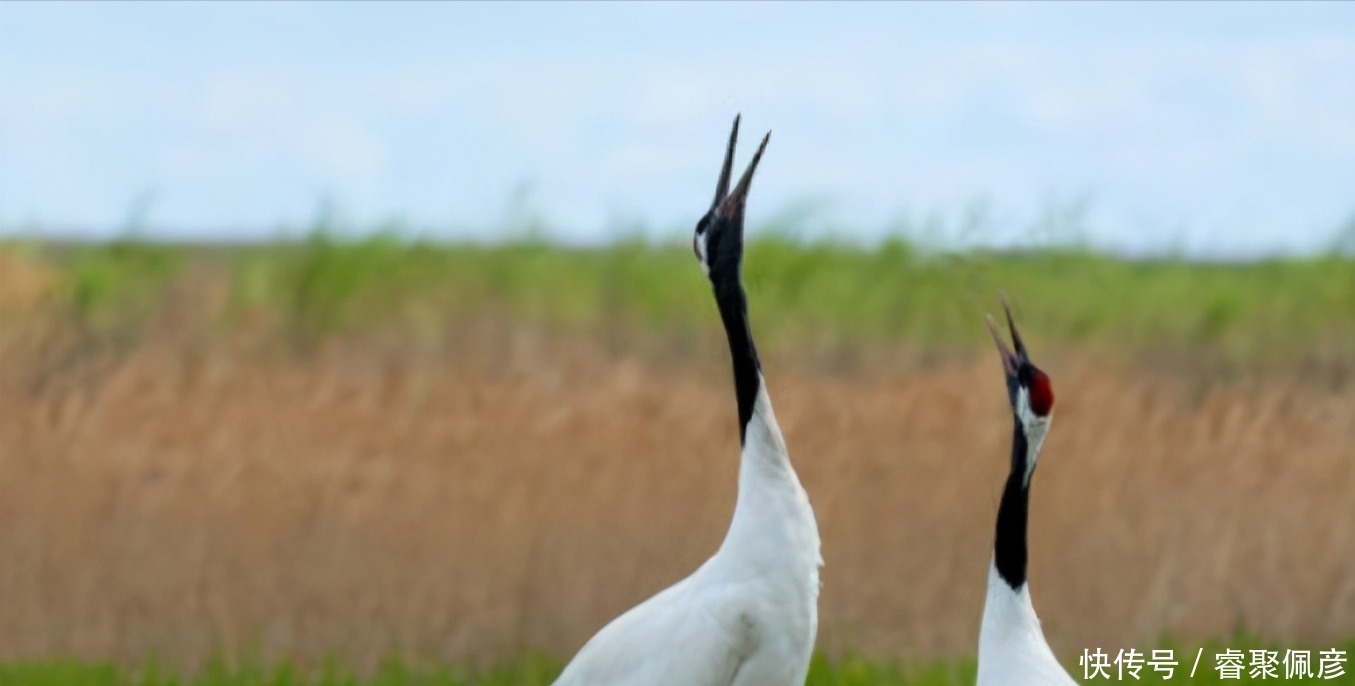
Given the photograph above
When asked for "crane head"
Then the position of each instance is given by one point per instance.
(1028, 388)
(718, 242)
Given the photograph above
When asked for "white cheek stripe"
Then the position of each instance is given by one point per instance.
(1036, 427)
(701, 253)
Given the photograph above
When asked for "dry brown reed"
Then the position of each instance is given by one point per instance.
(183, 495)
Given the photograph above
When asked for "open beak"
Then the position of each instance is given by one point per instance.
(1010, 361)
(722, 187)
(729, 204)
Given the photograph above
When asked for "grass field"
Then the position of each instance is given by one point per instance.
(539, 671)
(465, 454)
(822, 294)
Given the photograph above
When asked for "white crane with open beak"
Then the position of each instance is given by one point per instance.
(1012, 647)
(749, 615)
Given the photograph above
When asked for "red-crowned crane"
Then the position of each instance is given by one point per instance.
(749, 615)
(1012, 647)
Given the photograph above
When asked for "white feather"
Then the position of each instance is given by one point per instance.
(749, 615)
(1012, 647)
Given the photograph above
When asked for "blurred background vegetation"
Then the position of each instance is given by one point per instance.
(1222, 319)
(818, 294)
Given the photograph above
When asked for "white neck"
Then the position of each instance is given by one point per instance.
(773, 523)
(1012, 646)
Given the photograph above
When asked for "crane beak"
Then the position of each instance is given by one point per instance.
(722, 186)
(1011, 362)
(729, 204)
(1011, 324)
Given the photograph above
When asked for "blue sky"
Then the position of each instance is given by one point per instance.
(1221, 129)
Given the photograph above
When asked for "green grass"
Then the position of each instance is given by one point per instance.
(539, 671)
(821, 294)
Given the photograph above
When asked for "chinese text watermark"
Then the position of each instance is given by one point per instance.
(1240, 665)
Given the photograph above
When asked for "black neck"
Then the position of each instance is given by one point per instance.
(733, 304)
(1009, 549)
